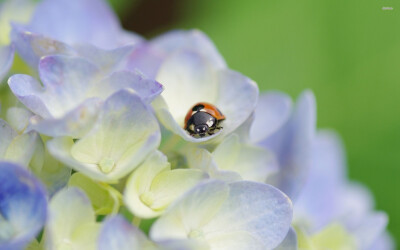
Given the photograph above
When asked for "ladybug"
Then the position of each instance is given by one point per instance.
(203, 118)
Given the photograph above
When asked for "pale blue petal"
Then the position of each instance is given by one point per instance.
(6, 59)
(260, 210)
(66, 80)
(76, 123)
(106, 60)
(117, 234)
(356, 203)
(384, 242)
(272, 111)
(196, 40)
(370, 228)
(149, 57)
(28, 91)
(144, 87)
(31, 47)
(23, 206)
(72, 89)
(292, 146)
(323, 188)
(77, 21)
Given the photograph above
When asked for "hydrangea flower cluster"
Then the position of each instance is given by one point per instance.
(94, 149)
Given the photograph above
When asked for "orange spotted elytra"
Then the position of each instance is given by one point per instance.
(203, 118)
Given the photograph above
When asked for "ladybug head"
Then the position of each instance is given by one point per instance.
(201, 129)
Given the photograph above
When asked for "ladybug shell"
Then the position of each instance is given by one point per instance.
(204, 107)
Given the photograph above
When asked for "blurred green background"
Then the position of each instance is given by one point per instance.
(347, 52)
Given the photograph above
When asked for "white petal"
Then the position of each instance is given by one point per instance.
(199, 158)
(7, 134)
(188, 79)
(153, 186)
(237, 99)
(70, 209)
(18, 118)
(104, 198)
(169, 185)
(272, 111)
(251, 162)
(22, 148)
(140, 182)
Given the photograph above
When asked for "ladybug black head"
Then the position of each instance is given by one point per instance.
(201, 130)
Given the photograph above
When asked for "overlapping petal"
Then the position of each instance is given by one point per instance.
(251, 162)
(118, 234)
(71, 223)
(20, 148)
(292, 146)
(73, 88)
(232, 160)
(190, 78)
(219, 214)
(23, 206)
(72, 27)
(125, 133)
(153, 186)
(33, 46)
(104, 198)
